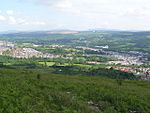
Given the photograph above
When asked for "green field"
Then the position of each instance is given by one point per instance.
(47, 63)
(36, 92)
(64, 64)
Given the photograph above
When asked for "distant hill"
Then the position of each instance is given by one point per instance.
(113, 30)
(116, 40)
(9, 31)
(63, 31)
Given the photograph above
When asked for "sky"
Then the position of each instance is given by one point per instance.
(25, 15)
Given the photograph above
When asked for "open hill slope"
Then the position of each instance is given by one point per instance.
(126, 41)
(35, 92)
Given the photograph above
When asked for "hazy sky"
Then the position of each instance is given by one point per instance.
(74, 14)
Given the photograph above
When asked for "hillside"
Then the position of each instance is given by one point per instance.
(126, 41)
(36, 92)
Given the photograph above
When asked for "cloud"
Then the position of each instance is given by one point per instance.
(45, 2)
(2, 18)
(24, 22)
(12, 20)
(64, 4)
(10, 12)
(114, 14)
(120, 14)
(17, 20)
(35, 23)
(21, 21)
(109, 7)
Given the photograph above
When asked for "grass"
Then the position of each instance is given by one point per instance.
(64, 64)
(24, 91)
(47, 63)
(67, 64)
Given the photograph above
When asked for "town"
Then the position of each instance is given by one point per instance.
(124, 59)
(10, 49)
